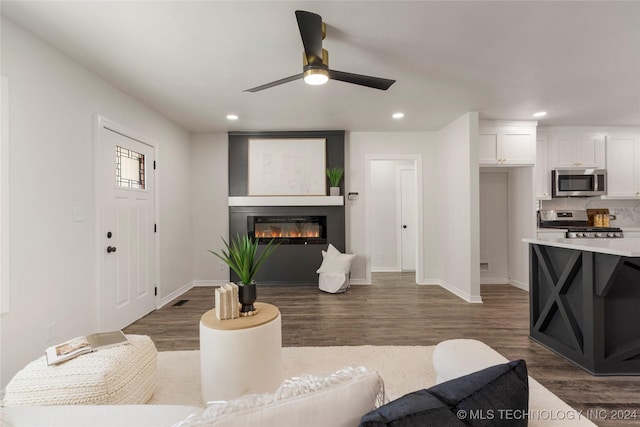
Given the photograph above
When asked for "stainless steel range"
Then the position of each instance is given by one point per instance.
(594, 232)
(577, 224)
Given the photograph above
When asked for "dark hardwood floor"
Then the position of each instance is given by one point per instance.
(396, 311)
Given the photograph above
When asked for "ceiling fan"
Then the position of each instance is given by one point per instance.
(315, 69)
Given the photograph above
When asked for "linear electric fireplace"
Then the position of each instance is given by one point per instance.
(303, 232)
(289, 230)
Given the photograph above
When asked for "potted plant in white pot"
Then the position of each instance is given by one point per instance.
(243, 258)
(334, 175)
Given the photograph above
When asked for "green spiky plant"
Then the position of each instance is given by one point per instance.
(335, 175)
(240, 256)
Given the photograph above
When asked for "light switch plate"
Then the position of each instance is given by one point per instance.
(79, 214)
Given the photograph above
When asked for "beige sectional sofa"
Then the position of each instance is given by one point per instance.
(337, 401)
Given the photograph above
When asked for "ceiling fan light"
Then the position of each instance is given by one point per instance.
(316, 77)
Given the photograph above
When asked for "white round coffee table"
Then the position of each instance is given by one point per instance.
(240, 356)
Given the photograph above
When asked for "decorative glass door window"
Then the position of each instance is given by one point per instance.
(129, 168)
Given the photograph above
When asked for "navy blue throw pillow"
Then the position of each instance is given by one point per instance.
(495, 396)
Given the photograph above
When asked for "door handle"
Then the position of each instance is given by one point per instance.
(111, 249)
(404, 226)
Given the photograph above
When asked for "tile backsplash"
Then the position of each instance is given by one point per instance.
(627, 212)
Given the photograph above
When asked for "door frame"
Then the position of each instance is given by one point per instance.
(100, 124)
(417, 164)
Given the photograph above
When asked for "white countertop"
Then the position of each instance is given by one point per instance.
(622, 247)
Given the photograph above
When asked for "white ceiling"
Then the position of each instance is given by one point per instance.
(191, 61)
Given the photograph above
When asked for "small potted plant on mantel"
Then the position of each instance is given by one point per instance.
(334, 175)
(241, 255)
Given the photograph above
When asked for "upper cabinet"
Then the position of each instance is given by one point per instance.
(623, 166)
(577, 150)
(507, 144)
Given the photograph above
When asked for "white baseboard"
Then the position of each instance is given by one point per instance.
(494, 280)
(359, 282)
(386, 270)
(519, 285)
(175, 294)
(204, 283)
(429, 282)
(196, 283)
(461, 294)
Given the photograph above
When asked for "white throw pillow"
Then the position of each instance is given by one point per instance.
(333, 261)
(336, 400)
(332, 251)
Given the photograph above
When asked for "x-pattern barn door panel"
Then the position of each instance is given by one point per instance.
(584, 306)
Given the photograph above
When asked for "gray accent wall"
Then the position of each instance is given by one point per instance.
(290, 264)
(239, 154)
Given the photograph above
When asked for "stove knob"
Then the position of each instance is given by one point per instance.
(579, 234)
(611, 234)
(597, 235)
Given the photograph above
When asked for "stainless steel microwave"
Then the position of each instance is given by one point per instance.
(578, 182)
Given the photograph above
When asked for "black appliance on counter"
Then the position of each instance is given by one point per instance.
(577, 225)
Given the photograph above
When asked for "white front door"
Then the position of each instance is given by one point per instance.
(128, 282)
(408, 218)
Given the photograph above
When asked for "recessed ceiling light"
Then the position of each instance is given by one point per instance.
(540, 114)
(232, 117)
(397, 115)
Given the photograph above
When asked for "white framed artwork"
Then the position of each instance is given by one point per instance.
(287, 167)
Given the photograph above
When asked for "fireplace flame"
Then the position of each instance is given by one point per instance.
(278, 233)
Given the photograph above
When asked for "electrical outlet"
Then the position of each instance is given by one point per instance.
(380, 256)
(50, 331)
(223, 266)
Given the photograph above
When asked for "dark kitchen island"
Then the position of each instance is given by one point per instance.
(585, 302)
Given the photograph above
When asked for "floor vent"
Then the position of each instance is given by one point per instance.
(484, 266)
(181, 303)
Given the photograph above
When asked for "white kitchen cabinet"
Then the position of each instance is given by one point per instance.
(623, 166)
(577, 150)
(542, 171)
(508, 144)
(631, 234)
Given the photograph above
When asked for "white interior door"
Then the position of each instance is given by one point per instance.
(128, 285)
(408, 218)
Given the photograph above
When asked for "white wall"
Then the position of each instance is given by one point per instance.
(507, 215)
(458, 207)
(522, 223)
(209, 166)
(360, 145)
(53, 101)
(493, 227)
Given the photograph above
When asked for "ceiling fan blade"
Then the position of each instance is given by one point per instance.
(359, 79)
(310, 25)
(276, 83)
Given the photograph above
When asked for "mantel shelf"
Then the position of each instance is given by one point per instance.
(286, 201)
